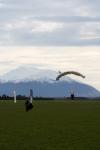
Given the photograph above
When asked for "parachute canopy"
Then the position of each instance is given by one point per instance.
(69, 72)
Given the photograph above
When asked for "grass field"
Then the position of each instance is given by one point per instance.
(50, 125)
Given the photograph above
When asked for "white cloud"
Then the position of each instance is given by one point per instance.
(40, 26)
(1, 5)
(90, 31)
(33, 25)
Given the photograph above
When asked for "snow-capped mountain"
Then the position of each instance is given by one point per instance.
(43, 83)
(29, 73)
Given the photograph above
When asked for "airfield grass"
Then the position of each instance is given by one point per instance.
(50, 125)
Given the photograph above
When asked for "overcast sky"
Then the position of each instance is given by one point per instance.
(64, 32)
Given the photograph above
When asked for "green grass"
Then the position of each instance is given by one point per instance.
(50, 125)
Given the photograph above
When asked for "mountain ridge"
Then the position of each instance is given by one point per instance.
(44, 84)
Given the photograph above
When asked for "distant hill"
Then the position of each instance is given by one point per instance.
(43, 84)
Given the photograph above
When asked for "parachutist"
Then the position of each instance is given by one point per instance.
(28, 105)
(72, 96)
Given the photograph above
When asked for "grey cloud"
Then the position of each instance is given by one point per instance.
(68, 35)
(52, 7)
(73, 14)
(67, 18)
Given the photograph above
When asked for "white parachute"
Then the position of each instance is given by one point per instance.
(69, 72)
